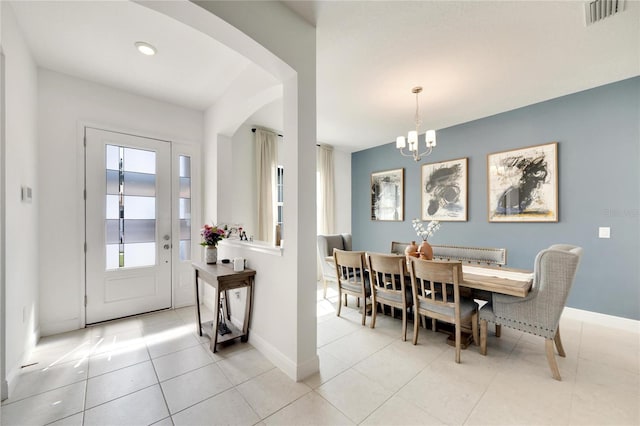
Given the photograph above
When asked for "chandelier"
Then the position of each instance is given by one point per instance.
(412, 137)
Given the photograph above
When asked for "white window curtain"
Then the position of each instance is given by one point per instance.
(325, 189)
(266, 163)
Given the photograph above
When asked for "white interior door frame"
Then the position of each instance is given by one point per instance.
(4, 384)
(180, 146)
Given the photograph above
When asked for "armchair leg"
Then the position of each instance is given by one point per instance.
(339, 305)
(415, 327)
(552, 359)
(498, 330)
(558, 343)
(474, 329)
(483, 337)
(345, 300)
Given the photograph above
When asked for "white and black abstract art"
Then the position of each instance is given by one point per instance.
(444, 190)
(387, 195)
(523, 184)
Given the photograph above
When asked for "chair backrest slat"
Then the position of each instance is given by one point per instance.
(387, 272)
(350, 266)
(437, 282)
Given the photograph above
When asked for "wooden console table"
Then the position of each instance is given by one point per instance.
(222, 278)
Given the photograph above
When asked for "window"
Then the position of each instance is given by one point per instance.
(130, 206)
(280, 196)
(184, 209)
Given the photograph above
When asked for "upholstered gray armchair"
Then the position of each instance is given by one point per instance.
(326, 244)
(539, 312)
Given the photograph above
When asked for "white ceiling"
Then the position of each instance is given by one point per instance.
(473, 58)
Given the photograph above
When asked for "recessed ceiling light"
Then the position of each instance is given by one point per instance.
(145, 48)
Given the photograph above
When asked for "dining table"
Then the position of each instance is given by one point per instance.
(500, 280)
(492, 279)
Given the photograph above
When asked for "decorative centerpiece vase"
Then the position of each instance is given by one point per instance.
(210, 254)
(425, 250)
(411, 250)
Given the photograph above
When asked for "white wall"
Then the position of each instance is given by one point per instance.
(65, 103)
(342, 176)
(4, 386)
(22, 229)
(284, 321)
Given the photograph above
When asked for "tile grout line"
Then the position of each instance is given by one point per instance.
(164, 398)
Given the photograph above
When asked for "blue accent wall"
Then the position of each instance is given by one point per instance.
(598, 135)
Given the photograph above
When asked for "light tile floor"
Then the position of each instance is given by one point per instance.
(154, 369)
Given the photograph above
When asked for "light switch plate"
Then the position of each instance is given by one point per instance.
(604, 232)
(26, 194)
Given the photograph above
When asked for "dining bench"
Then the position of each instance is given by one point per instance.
(471, 255)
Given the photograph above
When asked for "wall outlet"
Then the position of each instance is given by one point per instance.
(604, 232)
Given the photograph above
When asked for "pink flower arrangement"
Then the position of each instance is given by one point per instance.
(211, 235)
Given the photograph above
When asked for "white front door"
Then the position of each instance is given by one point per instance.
(128, 225)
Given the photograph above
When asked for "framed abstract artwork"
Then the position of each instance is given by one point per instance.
(444, 190)
(387, 195)
(522, 184)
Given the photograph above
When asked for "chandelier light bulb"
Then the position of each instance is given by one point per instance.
(430, 138)
(412, 138)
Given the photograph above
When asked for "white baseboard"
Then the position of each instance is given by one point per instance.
(57, 327)
(620, 323)
(4, 390)
(297, 372)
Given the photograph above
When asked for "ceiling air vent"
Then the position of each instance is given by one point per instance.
(597, 10)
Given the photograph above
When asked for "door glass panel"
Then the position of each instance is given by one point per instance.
(184, 207)
(139, 207)
(113, 182)
(185, 229)
(130, 225)
(185, 249)
(138, 160)
(143, 254)
(185, 166)
(113, 231)
(113, 207)
(185, 187)
(113, 256)
(139, 231)
(113, 157)
(139, 184)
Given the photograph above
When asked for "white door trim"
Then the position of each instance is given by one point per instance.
(195, 147)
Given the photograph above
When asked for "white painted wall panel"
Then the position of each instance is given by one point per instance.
(65, 103)
(23, 238)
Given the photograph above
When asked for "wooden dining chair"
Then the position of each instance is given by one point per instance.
(353, 278)
(387, 272)
(436, 294)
